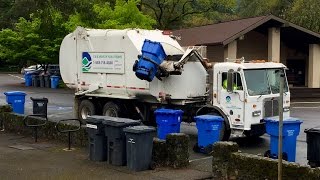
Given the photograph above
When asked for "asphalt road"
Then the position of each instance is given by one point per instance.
(61, 106)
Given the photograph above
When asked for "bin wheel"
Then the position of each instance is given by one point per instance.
(284, 156)
(196, 148)
(86, 109)
(208, 149)
(152, 165)
(111, 109)
(267, 154)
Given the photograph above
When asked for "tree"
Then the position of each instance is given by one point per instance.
(305, 13)
(124, 14)
(171, 14)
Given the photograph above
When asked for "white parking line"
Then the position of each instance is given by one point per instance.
(16, 76)
(200, 159)
(67, 112)
(306, 107)
(305, 103)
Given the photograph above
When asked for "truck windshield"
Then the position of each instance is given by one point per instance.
(263, 81)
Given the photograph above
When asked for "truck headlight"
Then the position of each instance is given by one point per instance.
(256, 113)
(286, 109)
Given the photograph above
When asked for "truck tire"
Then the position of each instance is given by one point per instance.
(111, 109)
(86, 109)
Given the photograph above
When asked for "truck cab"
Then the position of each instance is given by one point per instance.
(254, 94)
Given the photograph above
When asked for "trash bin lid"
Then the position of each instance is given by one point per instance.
(287, 120)
(39, 99)
(139, 129)
(15, 93)
(93, 120)
(313, 130)
(208, 118)
(53, 76)
(168, 111)
(116, 121)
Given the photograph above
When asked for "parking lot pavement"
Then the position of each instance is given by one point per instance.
(61, 106)
(20, 158)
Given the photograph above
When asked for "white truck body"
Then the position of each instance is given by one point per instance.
(121, 48)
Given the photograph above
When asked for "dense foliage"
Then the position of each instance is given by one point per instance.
(32, 30)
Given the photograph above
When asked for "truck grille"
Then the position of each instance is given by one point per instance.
(271, 108)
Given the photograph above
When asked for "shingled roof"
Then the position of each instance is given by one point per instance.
(225, 32)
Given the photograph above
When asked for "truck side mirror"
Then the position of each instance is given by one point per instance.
(230, 80)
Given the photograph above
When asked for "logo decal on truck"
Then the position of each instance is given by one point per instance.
(228, 99)
(86, 62)
(103, 62)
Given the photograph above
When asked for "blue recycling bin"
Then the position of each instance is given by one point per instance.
(16, 99)
(168, 121)
(55, 82)
(291, 129)
(28, 79)
(153, 55)
(209, 127)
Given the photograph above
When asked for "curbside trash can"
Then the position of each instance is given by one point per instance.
(98, 150)
(47, 82)
(40, 106)
(16, 99)
(28, 79)
(209, 127)
(41, 80)
(35, 80)
(313, 146)
(55, 82)
(139, 141)
(168, 121)
(116, 138)
(291, 129)
(152, 56)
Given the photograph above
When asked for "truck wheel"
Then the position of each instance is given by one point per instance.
(86, 109)
(111, 109)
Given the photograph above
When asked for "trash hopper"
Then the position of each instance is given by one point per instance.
(209, 127)
(97, 140)
(139, 141)
(168, 121)
(16, 99)
(313, 146)
(291, 129)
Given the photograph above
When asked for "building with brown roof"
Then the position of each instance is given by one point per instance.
(265, 37)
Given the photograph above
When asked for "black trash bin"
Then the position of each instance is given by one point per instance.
(40, 106)
(116, 138)
(139, 141)
(35, 80)
(97, 140)
(47, 81)
(41, 80)
(313, 146)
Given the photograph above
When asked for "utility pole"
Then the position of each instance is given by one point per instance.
(280, 125)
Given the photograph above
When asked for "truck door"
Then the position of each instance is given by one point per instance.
(233, 102)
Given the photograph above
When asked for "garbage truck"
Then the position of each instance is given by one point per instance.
(132, 72)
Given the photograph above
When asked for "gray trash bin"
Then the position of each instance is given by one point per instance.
(41, 80)
(40, 106)
(47, 81)
(139, 141)
(116, 139)
(97, 140)
(35, 80)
